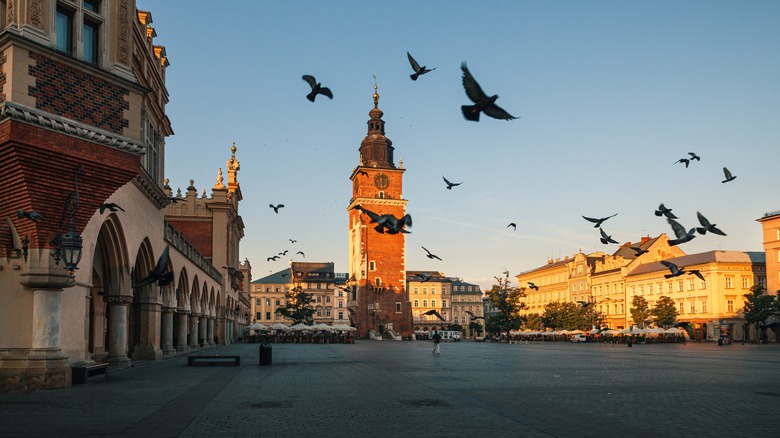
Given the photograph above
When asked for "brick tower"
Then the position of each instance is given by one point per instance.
(377, 261)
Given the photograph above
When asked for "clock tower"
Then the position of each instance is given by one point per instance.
(378, 299)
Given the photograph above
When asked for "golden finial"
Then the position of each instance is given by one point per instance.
(376, 95)
(233, 149)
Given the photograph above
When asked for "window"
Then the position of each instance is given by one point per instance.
(745, 283)
(267, 315)
(433, 290)
(257, 301)
(682, 307)
(341, 303)
(90, 37)
(669, 287)
(319, 298)
(278, 303)
(327, 311)
(267, 301)
(729, 282)
(341, 315)
(691, 285)
(425, 303)
(416, 290)
(153, 141)
(680, 286)
(649, 289)
(327, 299)
(444, 303)
(433, 303)
(63, 28)
(268, 289)
(319, 312)
(397, 307)
(377, 282)
(425, 290)
(762, 281)
(416, 303)
(371, 265)
(703, 307)
(257, 315)
(702, 284)
(693, 307)
(730, 305)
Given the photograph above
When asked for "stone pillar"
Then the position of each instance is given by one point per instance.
(182, 317)
(166, 337)
(210, 332)
(229, 331)
(221, 331)
(193, 341)
(202, 339)
(117, 330)
(148, 346)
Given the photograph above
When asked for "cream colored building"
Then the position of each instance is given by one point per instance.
(770, 224)
(266, 294)
(545, 284)
(467, 297)
(426, 295)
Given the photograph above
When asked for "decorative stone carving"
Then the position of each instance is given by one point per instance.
(118, 299)
(123, 45)
(35, 9)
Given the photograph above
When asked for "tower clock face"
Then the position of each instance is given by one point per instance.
(381, 181)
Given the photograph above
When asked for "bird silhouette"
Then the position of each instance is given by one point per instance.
(683, 160)
(434, 312)
(694, 156)
(301, 253)
(284, 253)
(450, 185)
(418, 71)
(707, 226)
(584, 304)
(697, 273)
(425, 277)
(482, 103)
(276, 208)
(173, 200)
(674, 269)
(387, 222)
(110, 206)
(274, 258)
(431, 255)
(473, 316)
(679, 232)
(728, 175)
(316, 88)
(158, 274)
(363, 172)
(513, 225)
(533, 286)
(605, 239)
(292, 240)
(663, 211)
(639, 251)
(598, 222)
(31, 215)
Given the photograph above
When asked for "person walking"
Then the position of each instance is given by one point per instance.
(436, 340)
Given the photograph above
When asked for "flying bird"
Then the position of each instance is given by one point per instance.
(707, 226)
(425, 277)
(301, 253)
(674, 269)
(31, 215)
(276, 208)
(418, 71)
(292, 240)
(482, 103)
(663, 211)
(683, 160)
(598, 222)
(173, 200)
(387, 222)
(274, 258)
(158, 274)
(434, 312)
(729, 176)
(284, 253)
(697, 273)
(679, 232)
(110, 206)
(450, 185)
(639, 251)
(363, 172)
(694, 156)
(473, 316)
(316, 88)
(513, 225)
(431, 255)
(533, 286)
(605, 239)
(584, 304)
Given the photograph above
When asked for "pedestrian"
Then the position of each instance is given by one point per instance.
(436, 340)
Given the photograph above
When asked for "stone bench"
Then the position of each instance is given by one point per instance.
(214, 360)
(82, 372)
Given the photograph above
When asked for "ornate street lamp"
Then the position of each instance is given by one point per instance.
(68, 245)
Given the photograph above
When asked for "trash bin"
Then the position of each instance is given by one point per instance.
(720, 342)
(630, 341)
(265, 354)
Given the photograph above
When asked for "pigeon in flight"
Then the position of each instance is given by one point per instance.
(639, 251)
(729, 176)
(675, 271)
(292, 240)
(663, 211)
(431, 255)
(694, 156)
(679, 232)
(482, 103)
(276, 208)
(513, 225)
(316, 88)
(697, 273)
(683, 160)
(301, 253)
(450, 185)
(598, 222)
(158, 274)
(418, 71)
(533, 286)
(707, 226)
(31, 215)
(425, 277)
(473, 316)
(434, 312)
(387, 221)
(605, 239)
(274, 258)
(283, 253)
(110, 206)
(584, 304)
(363, 172)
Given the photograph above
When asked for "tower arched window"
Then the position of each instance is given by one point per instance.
(377, 282)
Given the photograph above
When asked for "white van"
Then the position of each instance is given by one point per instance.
(578, 338)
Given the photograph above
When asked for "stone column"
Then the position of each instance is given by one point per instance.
(182, 317)
(117, 330)
(210, 332)
(193, 341)
(166, 337)
(221, 330)
(148, 346)
(202, 331)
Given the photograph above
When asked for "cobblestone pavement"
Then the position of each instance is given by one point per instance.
(391, 388)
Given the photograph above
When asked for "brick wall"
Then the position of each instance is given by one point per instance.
(65, 91)
(198, 233)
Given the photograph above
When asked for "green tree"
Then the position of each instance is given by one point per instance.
(506, 300)
(640, 311)
(297, 307)
(455, 327)
(665, 312)
(533, 321)
(759, 306)
(476, 327)
(566, 316)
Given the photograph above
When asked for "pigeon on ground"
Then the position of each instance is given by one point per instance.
(418, 71)
(158, 274)
(728, 175)
(431, 255)
(707, 226)
(316, 88)
(450, 185)
(31, 215)
(482, 103)
(679, 232)
(110, 206)
(605, 239)
(276, 207)
(533, 286)
(598, 222)
(663, 211)
(434, 312)
(674, 269)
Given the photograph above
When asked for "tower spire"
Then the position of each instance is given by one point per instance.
(376, 150)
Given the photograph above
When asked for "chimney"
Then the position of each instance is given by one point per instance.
(645, 238)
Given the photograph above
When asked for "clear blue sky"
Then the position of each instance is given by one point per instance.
(609, 94)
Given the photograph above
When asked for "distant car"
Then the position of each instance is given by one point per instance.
(579, 338)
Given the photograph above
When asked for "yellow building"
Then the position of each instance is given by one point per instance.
(545, 284)
(267, 294)
(429, 290)
(770, 224)
(467, 299)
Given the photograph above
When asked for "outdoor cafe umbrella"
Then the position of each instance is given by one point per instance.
(257, 326)
(279, 326)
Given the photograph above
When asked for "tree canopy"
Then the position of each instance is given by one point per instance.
(758, 305)
(561, 315)
(640, 311)
(664, 311)
(506, 300)
(297, 306)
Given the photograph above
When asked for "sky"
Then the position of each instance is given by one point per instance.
(608, 95)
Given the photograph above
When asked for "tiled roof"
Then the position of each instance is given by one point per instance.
(280, 277)
(628, 253)
(755, 257)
